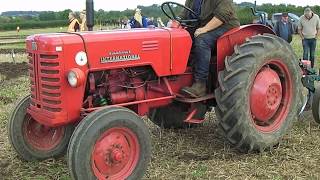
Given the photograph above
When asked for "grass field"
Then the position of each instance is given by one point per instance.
(26, 32)
(199, 153)
(11, 40)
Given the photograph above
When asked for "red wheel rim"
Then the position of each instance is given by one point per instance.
(41, 137)
(115, 154)
(270, 96)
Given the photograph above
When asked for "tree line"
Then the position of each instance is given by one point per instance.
(55, 19)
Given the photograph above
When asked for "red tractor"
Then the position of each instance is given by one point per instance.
(89, 90)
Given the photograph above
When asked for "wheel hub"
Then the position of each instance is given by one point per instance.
(115, 154)
(266, 95)
(41, 137)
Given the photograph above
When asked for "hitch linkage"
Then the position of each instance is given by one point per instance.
(309, 76)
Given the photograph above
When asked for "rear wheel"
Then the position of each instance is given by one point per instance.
(112, 143)
(259, 93)
(173, 115)
(32, 140)
(316, 103)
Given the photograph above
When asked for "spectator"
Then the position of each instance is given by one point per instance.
(74, 24)
(83, 17)
(123, 24)
(138, 21)
(159, 22)
(128, 25)
(308, 28)
(284, 28)
(151, 22)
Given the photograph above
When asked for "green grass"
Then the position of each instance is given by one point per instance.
(21, 37)
(199, 153)
(26, 32)
(13, 46)
(9, 36)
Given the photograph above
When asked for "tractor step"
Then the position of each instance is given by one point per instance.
(194, 121)
(189, 100)
(190, 119)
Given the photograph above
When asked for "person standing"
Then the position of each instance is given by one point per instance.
(138, 21)
(284, 28)
(151, 22)
(309, 28)
(83, 17)
(159, 22)
(74, 24)
(216, 18)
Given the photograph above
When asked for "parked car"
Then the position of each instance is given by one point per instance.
(292, 17)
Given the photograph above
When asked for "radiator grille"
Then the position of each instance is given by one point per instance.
(45, 79)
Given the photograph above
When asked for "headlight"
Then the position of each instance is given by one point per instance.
(72, 79)
(75, 77)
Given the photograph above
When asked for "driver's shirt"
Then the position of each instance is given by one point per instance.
(196, 8)
(222, 9)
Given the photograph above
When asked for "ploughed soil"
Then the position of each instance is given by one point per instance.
(9, 50)
(12, 70)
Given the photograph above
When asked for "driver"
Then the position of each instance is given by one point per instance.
(216, 17)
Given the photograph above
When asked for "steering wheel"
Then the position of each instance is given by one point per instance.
(191, 23)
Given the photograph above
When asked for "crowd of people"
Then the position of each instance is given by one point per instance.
(136, 21)
(308, 29)
(140, 21)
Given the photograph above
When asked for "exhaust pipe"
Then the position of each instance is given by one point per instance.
(90, 14)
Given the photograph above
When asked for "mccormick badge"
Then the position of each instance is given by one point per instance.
(118, 56)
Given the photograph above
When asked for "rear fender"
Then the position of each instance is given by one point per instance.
(237, 36)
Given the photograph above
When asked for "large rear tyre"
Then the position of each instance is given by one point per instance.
(32, 140)
(316, 103)
(173, 115)
(259, 93)
(112, 143)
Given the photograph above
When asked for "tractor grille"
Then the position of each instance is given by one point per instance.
(45, 79)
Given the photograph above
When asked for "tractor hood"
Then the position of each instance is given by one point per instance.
(166, 49)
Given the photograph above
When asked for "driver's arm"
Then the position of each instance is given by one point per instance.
(223, 14)
(213, 24)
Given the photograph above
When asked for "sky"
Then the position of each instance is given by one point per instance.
(77, 5)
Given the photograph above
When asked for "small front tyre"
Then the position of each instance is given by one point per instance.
(32, 140)
(113, 143)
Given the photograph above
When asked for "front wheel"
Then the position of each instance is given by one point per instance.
(259, 93)
(113, 143)
(32, 140)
